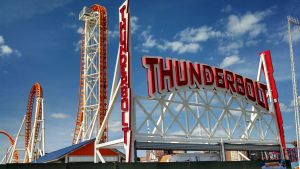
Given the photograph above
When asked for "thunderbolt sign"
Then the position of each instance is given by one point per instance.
(167, 75)
(124, 56)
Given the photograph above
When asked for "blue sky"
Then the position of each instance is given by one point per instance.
(39, 43)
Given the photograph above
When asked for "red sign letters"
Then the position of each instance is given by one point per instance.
(166, 75)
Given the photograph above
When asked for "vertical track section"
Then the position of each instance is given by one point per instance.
(36, 92)
(103, 67)
(93, 92)
(32, 133)
(81, 90)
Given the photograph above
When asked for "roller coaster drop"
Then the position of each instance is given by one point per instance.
(29, 143)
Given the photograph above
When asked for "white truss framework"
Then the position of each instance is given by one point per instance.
(36, 148)
(115, 91)
(294, 21)
(203, 116)
(91, 77)
(199, 116)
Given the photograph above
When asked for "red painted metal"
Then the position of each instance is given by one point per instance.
(103, 75)
(88, 150)
(270, 70)
(12, 142)
(35, 92)
(125, 71)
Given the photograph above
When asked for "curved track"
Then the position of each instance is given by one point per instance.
(36, 93)
(12, 142)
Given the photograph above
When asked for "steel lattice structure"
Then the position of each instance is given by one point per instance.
(93, 74)
(209, 117)
(204, 117)
(29, 143)
(294, 21)
(11, 155)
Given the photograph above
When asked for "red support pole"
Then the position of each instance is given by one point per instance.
(269, 70)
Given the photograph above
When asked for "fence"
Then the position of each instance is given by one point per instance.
(152, 165)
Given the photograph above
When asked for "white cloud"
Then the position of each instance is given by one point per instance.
(227, 9)
(282, 106)
(252, 42)
(198, 34)
(295, 31)
(5, 50)
(133, 24)
(220, 132)
(148, 39)
(178, 132)
(281, 35)
(231, 48)
(115, 126)
(287, 127)
(250, 23)
(180, 47)
(133, 28)
(292, 102)
(18, 53)
(235, 112)
(79, 30)
(178, 107)
(77, 46)
(175, 46)
(231, 60)
(150, 42)
(59, 115)
(285, 108)
(288, 108)
(71, 14)
(113, 34)
(1, 40)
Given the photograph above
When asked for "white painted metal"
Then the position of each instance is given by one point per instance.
(35, 148)
(222, 153)
(115, 144)
(115, 90)
(294, 21)
(217, 114)
(223, 116)
(42, 145)
(7, 156)
(203, 116)
(89, 126)
(17, 140)
(261, 70)
(199, 116)
(243, 156)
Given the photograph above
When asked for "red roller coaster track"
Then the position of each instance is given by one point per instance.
(12, 142)
(35, 92)
(103, 82)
